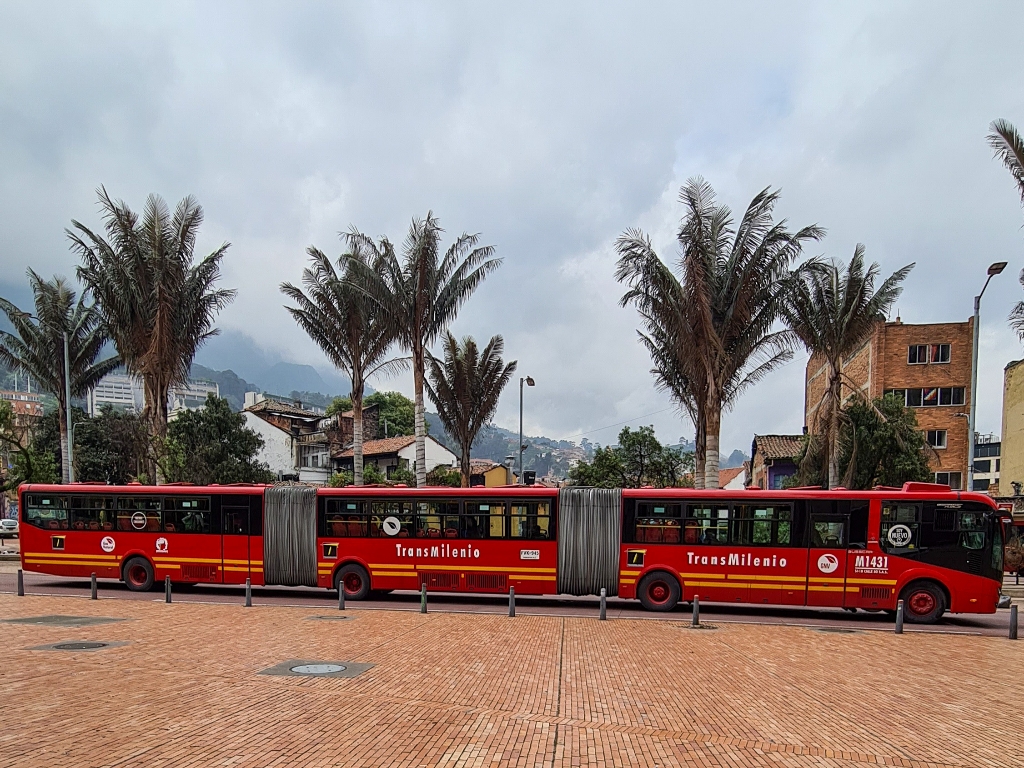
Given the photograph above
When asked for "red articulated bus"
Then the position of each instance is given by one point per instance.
(938, 550)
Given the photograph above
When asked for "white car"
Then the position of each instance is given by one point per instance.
(8, 528)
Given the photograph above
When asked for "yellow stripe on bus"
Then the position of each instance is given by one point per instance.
(390, 565)
(801, 579)
(890, 582)
(69, 554)
(217, 561)
(702, 575)
(404, 574)
(69, 562)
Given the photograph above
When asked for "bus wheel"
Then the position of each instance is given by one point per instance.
(659, 591)
(923, 602)
(354, 579)
(138, 574)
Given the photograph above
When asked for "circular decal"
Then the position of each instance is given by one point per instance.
(900, 535)
(107, 543)
(161, 544)
(138, 521)
(391, 526)
(828, 563)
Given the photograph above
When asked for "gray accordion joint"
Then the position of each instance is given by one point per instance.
(588, 540)
(289, 536)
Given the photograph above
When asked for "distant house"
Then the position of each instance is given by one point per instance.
(489, 473)
(772, 459)
(393, 453)
(734, 478)
(294, 445)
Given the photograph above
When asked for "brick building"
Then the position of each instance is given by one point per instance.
(773, 459)
(929, 367)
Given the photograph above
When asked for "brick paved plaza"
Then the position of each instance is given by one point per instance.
(477, 690)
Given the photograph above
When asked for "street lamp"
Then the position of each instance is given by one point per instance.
(67, 401)
(993, 270)
(529, 382)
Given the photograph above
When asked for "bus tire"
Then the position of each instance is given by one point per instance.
(924, 602)
(137, 574)
(659, 591)
(354, 579)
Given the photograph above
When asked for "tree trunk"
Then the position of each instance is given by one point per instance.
(714, 426)
(154, 410)
(65, 465)
(832, 436)
(700, 453)
(465, 466)
(421, 432)
(357, 432)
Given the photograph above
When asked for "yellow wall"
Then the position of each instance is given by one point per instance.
(496, 476)
(1012, 467)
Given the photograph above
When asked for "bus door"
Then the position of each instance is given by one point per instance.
(235, 542)
(826, 559)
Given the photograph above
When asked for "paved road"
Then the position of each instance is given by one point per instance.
(829, 619)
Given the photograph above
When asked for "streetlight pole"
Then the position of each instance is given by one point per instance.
(993, 270)
(529, 382)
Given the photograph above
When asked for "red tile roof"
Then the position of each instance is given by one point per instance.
(287, 409)
(380, 447)
(725, 476)
(779, 446)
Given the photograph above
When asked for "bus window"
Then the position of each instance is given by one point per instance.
(400, 510)
(900, 526)
(658, 523)
(138, 513)
(92, 513)
(711, 522)
(971, 526)
(761, 524)
(484, 520)
(827, 534)
(46, 511)
(235, 511)
(438, 519)
(184, 514)
(344, 517)
(531, 520)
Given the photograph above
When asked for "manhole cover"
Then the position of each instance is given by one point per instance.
(78, 646)
(315, 668)
(64, 621)
(328, 618)
(318, 669)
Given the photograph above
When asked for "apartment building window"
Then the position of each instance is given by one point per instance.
(937, 438)
(953, 479)
(920, 354)
(929, 397)
(983, 467)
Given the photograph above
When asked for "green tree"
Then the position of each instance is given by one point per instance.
(1009, 148)
(157, 305)
(396, 410)
(22, 463)
(711, 330)
(38, 347)
(373, 475)
(444, 476)
(112, 448)
(340, 479)
(213, 445)
(349, 327)
(833, 311)
(421, 294)
(638, 460)
(340, 404)
(466, 387)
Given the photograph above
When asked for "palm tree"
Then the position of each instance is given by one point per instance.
(1009, 148)
(465, 387)
(38, 349)
(347, 326)
(421, 294)
(157, 305)
(714, 326)
(833, 310)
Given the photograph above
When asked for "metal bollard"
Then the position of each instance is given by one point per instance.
(248, 593)
(511, 601)
(423, 598)
(899, 617)
(696, 611)
(167, 589)
(604, 604)
(341, 595)
(92, 594)
(1013, 622)
(21, 583)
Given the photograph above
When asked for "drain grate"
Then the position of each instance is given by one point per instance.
(64, 621)
(328, 618)
(836, 630)
(314, 668)
(79, 645)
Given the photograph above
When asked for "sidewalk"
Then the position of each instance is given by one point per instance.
(475, 690)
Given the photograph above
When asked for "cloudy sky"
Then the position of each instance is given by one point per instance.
(549, 129)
